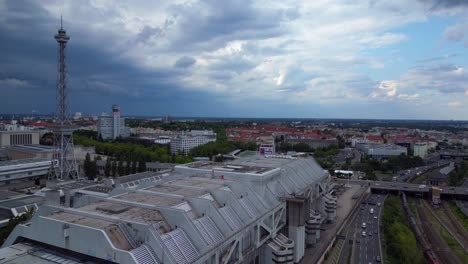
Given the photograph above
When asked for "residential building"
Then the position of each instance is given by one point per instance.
(313, 143)
(382, 150)
(420, 149)
(185, 143)
(111, 127)
(17, 135)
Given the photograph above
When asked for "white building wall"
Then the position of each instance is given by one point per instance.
(420, 150)
(184, 144)
(111, 127)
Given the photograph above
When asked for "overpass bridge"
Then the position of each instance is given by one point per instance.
(447, 192)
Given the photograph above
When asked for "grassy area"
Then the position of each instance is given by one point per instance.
(462, 218)
(412, 205)
(399, 244)
(421, 178)
(451, 242)
(383, 176)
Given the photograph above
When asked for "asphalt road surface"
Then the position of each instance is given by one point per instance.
(368, 247)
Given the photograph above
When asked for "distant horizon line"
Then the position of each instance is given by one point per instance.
(244, 118)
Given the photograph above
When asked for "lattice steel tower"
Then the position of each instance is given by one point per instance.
(64, 162)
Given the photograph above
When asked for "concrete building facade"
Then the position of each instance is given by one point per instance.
(382, 150)
(19, 170)
(420, 149)
(19, 152)
(185, 143)
(250, 210)
(11, 138)
(111, 127)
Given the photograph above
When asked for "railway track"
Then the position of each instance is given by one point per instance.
(447, 225)
(457, 226)
(439, 246)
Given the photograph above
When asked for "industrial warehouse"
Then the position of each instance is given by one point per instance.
(251, 210)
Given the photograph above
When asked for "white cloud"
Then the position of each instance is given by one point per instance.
(275, 50)
(14, 83)
(455, 104)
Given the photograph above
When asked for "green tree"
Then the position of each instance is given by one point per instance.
(128, 168)
(108, 167)
(121, 168)
(141, 166)
(134, 167)
(114, 168)
(301, 147)
(13, 222)
(458, 175)
(87, 167)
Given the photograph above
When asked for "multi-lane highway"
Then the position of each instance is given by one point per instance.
(365, 248)
(367, 242)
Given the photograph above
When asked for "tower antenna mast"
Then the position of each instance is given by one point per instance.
(64, 164)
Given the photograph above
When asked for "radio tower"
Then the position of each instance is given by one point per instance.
(64, 162)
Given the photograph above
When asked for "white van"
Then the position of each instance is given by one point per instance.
(371, 210)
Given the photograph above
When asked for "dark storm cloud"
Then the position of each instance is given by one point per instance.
(443, 4)
(29, 59)
(149, 32)
(217, 22)
(185, 62)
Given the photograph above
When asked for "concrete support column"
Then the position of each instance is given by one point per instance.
(298, 210)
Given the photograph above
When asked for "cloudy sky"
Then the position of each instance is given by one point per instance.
(396, 59)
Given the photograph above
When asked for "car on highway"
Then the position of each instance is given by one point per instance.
(363, 225)
(363, 233)
(378, 259)
(378, 204)
(371, 210)
(375, 217)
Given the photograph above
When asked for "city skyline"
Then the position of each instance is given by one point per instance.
(365, 59)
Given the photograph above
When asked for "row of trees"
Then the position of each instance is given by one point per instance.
(221, 146)
(112, 167)
(304, 147)
(130, 151)
(400, 242)
(393, 164)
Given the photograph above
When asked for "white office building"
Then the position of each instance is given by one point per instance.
(183, 144)
(111, 127)
(420, 149)
(14, 134)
